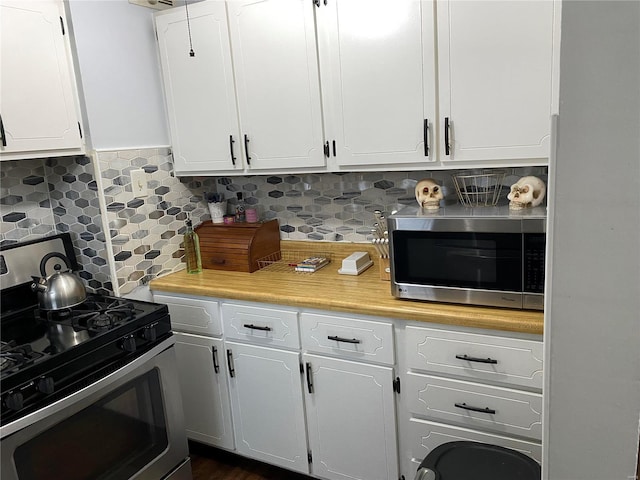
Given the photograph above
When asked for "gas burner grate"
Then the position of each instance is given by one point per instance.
(12, 356)
(94, 315)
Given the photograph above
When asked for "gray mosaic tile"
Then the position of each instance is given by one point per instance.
(146, 233)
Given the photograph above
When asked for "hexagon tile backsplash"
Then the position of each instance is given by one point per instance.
(145, 234)
(42, 197)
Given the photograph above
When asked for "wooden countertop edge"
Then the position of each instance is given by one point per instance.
(431, 312)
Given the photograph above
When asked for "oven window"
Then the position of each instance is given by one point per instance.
(112, 439)
(488, 261)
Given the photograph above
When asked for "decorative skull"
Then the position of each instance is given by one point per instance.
(526, 192)
(429, 194)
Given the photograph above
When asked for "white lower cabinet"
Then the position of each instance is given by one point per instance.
(205, 394)
(351, 419)
(267, 405)
(317, 393)
(459, 385)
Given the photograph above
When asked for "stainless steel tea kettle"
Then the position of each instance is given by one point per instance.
(60, 290)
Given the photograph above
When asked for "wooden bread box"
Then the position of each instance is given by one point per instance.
(237, 246)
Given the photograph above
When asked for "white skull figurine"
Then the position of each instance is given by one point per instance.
(429, 194)
(526, 192)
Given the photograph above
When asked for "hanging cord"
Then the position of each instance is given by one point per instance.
(191, 52)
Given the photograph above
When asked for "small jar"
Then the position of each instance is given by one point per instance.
(228, 219)
(251, 214)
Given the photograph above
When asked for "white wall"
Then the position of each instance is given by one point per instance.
(119, 74)
(592, 324)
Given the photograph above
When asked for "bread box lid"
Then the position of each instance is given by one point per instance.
(237, 246)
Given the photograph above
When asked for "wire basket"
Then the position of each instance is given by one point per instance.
(289, 261)
(479, 190)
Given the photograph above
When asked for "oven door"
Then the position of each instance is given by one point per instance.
(127, 425)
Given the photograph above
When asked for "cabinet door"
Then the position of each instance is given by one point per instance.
(267, 405)
(351, 418)
(205, 395)
(199, 90)
(275, 60)
(37, 95)
(425, 436)
(378, 77)
(496, 78)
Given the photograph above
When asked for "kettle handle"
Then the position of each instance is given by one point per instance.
(47, 257)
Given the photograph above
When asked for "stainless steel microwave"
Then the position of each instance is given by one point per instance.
(480, 256)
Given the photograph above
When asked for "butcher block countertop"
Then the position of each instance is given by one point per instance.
(326, 289)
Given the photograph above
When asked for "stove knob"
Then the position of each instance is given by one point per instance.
(45, 385)
(14, 401)
(149, 333)
(129, 344)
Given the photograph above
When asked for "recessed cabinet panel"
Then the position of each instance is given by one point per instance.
(267, 405)
(192, 315)
(351, 414)
(495, 409)
(348, 337)
(37, 95)
(378, 78)
(199, 89)
(205, 395)
(477, 357)
(267, 326)
(428, 435)
(276, 66)
(496, 78)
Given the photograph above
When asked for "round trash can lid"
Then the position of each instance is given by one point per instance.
(480, 461)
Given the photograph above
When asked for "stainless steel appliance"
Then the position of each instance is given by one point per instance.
(89, 391)
(482, 256)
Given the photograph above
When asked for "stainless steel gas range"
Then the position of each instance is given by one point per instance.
(88, 391)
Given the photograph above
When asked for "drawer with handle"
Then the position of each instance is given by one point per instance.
(475, 356)
(484, 407)
(192, 314)
(347, 337)
(267, 326)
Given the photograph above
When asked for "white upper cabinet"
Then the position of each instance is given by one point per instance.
(388, 84)
(39, 113)
(275, 60)
(496, 78)
(378, 80)
(249, 99)
(200, 92)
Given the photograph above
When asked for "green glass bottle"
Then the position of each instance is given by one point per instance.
(192, 249)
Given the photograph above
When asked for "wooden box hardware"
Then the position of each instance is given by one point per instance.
(237, 246)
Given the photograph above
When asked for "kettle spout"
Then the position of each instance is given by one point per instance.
(39, 284)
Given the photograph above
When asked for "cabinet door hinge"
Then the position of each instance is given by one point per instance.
(80, 129)
(309, 457)
(62, 25)
(396, 385)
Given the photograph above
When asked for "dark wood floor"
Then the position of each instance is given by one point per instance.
(208, 463)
